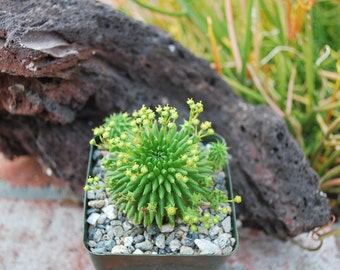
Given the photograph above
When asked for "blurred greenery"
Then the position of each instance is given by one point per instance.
(282, 53)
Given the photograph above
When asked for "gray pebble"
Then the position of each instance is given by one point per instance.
(166, 228)
(91, 195)
(118, 231)
(175, 245)
(128, 241)
(214, 230)
(227, 250)
(170, 238)
(100, 194)
(97, 236)
(188, 241)
(139, 238)
(101, 219)
(98, 250)
(160, 241)
(109, 244)
(145, 245)
(127, 226)
(152, 230)
(224, 240)
(202, 230)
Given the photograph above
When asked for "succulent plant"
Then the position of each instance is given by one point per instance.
(157, 171)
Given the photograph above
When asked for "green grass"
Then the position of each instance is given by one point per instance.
(285, 54)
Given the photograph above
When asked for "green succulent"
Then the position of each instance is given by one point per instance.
(157, 171)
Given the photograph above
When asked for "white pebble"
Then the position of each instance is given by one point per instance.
(224, 240)
(128, 241)
(186, 250)
(214, 230)
(206, 247)
(226, 224)
(93, 218)
(120, 250)
(166, 228)
(102, 218)
(91, 194)
(138, 252)
(110, 211)
(118, 231)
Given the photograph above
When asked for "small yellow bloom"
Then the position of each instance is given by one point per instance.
(171, 210)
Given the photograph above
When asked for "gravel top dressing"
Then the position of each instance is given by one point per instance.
(111, 233)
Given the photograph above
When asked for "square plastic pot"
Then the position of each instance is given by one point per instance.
(161, 262)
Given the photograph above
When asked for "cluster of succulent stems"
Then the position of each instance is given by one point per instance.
(157, 171)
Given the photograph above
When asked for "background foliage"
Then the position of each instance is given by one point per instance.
(285, 54)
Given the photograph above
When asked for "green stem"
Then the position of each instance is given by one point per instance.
(329, 162)
(309, 60)
(165, 12)
(247, 40)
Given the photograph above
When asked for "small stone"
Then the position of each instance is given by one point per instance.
(166, 228)
(135, 231)
(227, 250)
(175, 245)
(226, 224)
(202, 230)
(115, 223)
(109, 231)
(128, 241)
(188, 241)
(186, 250)
(127, 226)
(118, 231)
(120, 249)
(152, 230)
(96, 203)
(170, 238)
(101, 219)
(214, 230)
(92, 243)
(137, 252)
(100, 195)
(93, 218)
(97, 154)
(109, 244)
(144, 246)
(139, 238)
(91, 195)
(184, 228)
(206, 247)
(131, 249)
(232, 241)
(160, 241)
(224, 240)
(110, 211)
(98, 250)
(97, 236)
